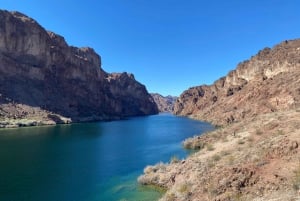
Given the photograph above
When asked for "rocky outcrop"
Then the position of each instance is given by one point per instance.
(268, 82)
(40, 70)
(255, 159)
(164, 103)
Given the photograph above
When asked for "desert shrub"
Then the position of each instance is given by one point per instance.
(231, 160)
(184, 188)
(210, 147)
(210, 164)
(280, 132)
(212, 190)
(174, 159)
(296, 180)
(154, 168)
(170, 197)
(215, 135)
(224, 153)
(216, 157)
(193, 143)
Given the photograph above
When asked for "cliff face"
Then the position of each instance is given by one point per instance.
(268, 82)
(164, 103)
(255, 156)
(39, 69)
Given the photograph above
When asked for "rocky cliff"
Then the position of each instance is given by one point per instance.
(164, 103)
(267, 82)
(254, 155)
(40, 70)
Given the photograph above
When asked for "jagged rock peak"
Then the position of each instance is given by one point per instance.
(266, 82)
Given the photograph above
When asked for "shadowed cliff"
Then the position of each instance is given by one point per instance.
(40, 70)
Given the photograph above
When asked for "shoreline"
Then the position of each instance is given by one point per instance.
(254, 159)
(46, 118)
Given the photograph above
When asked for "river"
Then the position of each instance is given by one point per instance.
(90, 161)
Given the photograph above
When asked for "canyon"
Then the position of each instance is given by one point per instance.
(253, 154)
(46, 81)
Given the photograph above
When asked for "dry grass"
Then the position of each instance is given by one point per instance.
(223, 164)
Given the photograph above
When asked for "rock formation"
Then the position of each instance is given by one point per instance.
(255, 159)
(254, 155)
(268, 82)
(40, 70)
(164, 103)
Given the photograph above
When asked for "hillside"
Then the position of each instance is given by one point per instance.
(254, 153)
(46, 81)
(267, 82)
(164, 103)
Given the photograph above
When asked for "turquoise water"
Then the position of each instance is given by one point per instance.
(89, 162)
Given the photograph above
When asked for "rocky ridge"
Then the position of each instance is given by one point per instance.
(268, 82)
(254, 152)
(256, 159)
(42, 76)
(164, 103)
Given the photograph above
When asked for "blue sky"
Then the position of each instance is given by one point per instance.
(169, 45)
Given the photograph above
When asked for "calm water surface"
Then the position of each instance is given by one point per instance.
(91, 161)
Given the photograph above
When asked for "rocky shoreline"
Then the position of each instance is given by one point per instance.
(13, 115)
(256, 159)
(254, 153)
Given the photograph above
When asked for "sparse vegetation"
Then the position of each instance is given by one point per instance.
(212, 190)
(233, 171)
(174, 159)
(230, 160)
(280, 132)
(216, 157)
(296, 180)
(184, 188)
(210, 147)
(224, 153)
(210, 163)
(170, 196)
(237, 197)
(194, 143)
(215, 135)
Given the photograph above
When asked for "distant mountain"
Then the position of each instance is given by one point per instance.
(268, 82)
(44, 80)
(164, 103)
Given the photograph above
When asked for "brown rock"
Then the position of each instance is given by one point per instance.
(39, 69)
(164, 103)
(268, 82)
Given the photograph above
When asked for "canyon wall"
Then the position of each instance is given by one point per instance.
(40, 70)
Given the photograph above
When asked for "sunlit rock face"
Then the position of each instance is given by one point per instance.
(164, 103)
(267, 82)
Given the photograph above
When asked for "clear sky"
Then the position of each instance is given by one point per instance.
(169, 45)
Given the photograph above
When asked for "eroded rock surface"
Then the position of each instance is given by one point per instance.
(254, 154)
(40, 70)
(164, 103)
(267, 82)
